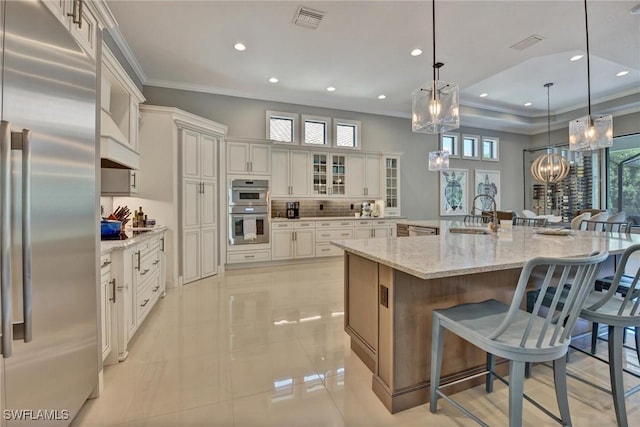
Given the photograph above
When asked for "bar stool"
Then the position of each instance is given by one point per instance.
(529, 222)
(617, 313)
(506, 331)
(606, 226)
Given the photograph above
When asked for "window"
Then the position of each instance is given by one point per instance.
(449, 142)
(490, 148)
(470, 147)
(316, 130)
(282, 127)
(347, 133)
(623, 159)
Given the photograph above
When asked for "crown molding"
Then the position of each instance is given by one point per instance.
(128, 54)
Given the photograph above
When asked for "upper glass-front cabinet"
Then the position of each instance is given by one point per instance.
(392, 186)
(329, 174)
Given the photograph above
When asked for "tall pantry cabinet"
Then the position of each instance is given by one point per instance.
(182, 187)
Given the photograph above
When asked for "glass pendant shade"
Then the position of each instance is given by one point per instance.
(435, 114)
(591, 133)
(438, 160)
(550, 168)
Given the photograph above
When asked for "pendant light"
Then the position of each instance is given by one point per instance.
(435, 104)
(438, 160)
(550, 167)
(591, 132)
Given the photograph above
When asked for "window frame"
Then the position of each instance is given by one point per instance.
(456, 144)
(356, 124)
(294, 117)
(496, 142)
(476, 143)
(318, 119)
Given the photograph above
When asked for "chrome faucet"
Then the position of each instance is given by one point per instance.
(494, 218)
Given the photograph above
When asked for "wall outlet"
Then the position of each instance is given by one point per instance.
(321, 206)
(351, 206)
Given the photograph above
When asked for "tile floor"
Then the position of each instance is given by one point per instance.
(266, 347)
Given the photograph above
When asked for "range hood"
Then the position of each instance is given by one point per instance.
(115, 151)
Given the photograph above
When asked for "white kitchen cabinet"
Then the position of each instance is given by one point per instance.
(199, 205)
(245, 158)
(329, 174)
(180, 160)
(293, 240)
(107, 299)
(364, 175)
(119, 182)
(137, 272)
(391, 189)
(80, 18)
(373, 229)
(290, 173)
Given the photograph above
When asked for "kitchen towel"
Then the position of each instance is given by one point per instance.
(249, 231)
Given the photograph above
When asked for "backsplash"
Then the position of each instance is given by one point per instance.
(314, 208)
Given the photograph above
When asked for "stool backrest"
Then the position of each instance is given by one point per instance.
(630, 305)
(610, 227)
(555, 327)
(529, 222)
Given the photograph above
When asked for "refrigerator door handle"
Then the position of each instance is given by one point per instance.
(21, 141)
(5, 243)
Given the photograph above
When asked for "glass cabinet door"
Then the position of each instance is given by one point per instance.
(320, 174)
(338, 174)
(391, 172)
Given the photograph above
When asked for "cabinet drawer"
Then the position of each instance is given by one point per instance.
(333, 234)
(154, 241)
(381, 222)
(149, 265)
(105, 263)
(364, 223)
(302, 225)
(147, 297)
(281, 225)
(235, 257)
(334, 224)
(327, 249)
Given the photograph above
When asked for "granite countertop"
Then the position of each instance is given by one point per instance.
(337, 218)
(107, 246)
(449, 254)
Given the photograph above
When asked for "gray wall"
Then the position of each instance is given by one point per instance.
(113, 47)
(420, 200)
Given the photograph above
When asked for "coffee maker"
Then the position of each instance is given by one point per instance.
(293, 210)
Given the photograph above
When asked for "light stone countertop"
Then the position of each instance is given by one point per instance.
(337, 218)
(450, 254)
(107, 246)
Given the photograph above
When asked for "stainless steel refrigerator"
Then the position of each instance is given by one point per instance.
(48, 219)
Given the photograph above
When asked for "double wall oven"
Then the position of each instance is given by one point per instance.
(248, 212)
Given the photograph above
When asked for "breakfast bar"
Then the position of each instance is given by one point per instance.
(392, 285)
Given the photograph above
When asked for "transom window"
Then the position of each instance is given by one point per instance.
(490, 148)
(282, 127)
(449, 143)
(347, 133)
(316, 130)
(470, 147)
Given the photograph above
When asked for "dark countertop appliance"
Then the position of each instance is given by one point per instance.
(293, 210)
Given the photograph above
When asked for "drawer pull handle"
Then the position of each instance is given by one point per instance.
(326, 250)
(249, 256)
(326, 235)
(344, 234)
(156, 262)
(104, 264)
(156, 288)
(144, 304)
(144, 272)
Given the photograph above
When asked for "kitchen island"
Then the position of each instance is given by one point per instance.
(393, 285)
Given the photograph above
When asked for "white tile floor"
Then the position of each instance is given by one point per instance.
(266, 347)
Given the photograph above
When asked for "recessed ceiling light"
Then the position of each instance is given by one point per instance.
(239, 46)
(528, 104)
(622, 73)
(484, 95)
(575, 57)
(635, 10)
(273, 80)
(331, 89)
(416, 52)
(382, 96)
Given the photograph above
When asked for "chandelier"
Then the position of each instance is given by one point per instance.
(550, 167)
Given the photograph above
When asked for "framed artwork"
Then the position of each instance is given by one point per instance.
(487, 183)
(454, 197)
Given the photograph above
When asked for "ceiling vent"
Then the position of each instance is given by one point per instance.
(528, 42)
(308, 18)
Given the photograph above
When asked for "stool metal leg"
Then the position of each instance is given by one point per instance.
(594, 336)
(560, 381)
(491, 366)
(615, 371)
(437, 341)
(516, 390)
(637, 340)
